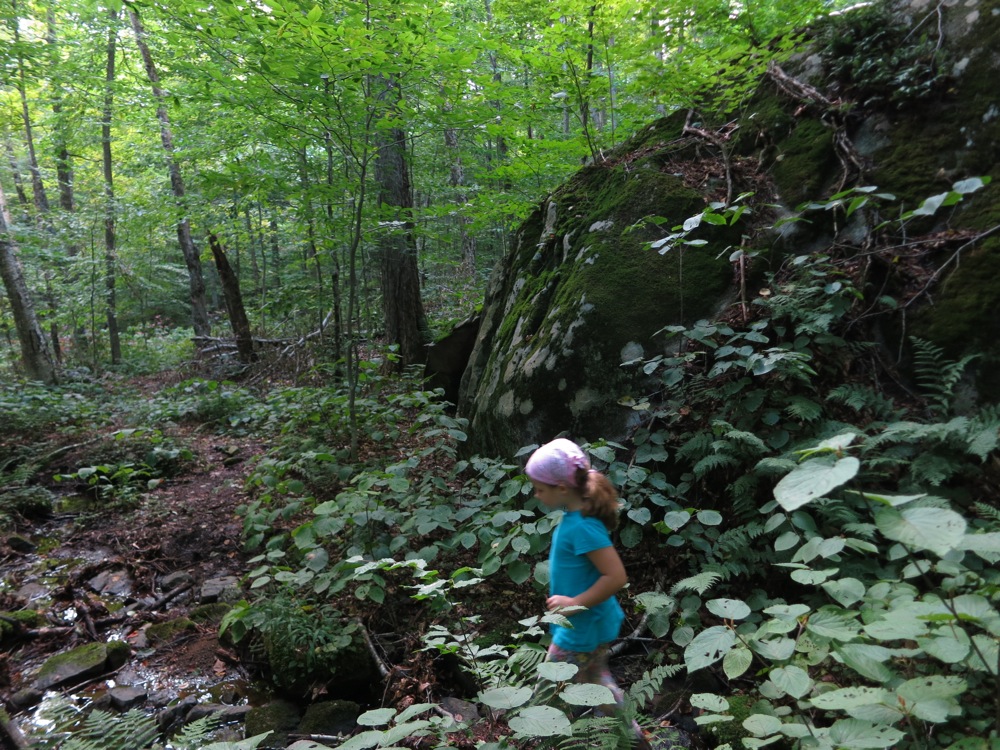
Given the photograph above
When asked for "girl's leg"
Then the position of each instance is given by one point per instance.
(593, 669)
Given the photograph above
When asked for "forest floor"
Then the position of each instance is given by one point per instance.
(189, 523)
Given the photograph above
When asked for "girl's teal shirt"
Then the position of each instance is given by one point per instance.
(571, 573)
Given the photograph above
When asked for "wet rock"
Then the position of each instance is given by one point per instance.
(21, 544)
(226, 589)
(81, 664)
(175, 579)
(116, 582)
(330, 718)
(33, 592)
(174, 716)
(164, 632)
(226, 714)
(210, 613)
(279, 717)
(25, 698)
(126, 697)
(460, 710)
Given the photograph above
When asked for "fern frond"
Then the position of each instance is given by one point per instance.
(804, 409)
(748, 440)
(934, 375)
(699, 583)
(643, 690)
(854, 396)
(697, 446)
(711, 462)
(743, 497)
(987, 511)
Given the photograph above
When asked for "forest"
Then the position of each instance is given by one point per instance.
(233, 231)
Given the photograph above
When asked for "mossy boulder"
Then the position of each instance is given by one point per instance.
(80, 664)
(876, 98)
(583, 291)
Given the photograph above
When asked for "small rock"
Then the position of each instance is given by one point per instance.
(115, 582)
(21, 544)
(126, 697)
(226, 588)
(175, 579)
(460, 710)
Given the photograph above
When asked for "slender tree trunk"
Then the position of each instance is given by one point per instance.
(405, 322)
(456, 180)
(37, 186)
(110, 235)
(234, 302)
(35, 354)
(199, 309)
(22, 196)
(332, 250)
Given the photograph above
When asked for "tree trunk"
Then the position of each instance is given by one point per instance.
(405, 322)
(456, 180)
(22, 197)
(199, 309)
(35, 354)
(110, 236)
(234, 302)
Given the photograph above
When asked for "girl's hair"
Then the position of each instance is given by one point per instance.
(600, 498)
(562, 461)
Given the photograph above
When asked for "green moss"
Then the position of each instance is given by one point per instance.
(210, 613)
(23, 618)
(166, 631)
(732, 732)
(805, 162)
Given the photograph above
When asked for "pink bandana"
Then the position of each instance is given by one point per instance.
(557, 462)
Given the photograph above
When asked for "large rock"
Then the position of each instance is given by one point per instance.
(81, 664)
(582, 291)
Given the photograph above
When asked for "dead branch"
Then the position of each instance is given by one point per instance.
(720, 142)
(953, 258)
(847, 154)
(383, 669)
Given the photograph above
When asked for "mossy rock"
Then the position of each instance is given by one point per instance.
(330, 718)
(278, 717)
(23, 618)
(164, 632)
(209, 613)
(582, 291)
(81, 664)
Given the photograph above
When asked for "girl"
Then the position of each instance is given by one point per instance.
(584, 568)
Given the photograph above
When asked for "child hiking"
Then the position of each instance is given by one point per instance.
(584, 568)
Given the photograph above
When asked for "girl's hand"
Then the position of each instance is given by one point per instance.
(557, 603)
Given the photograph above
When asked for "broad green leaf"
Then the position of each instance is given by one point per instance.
(728, 609)
(792, 680)
(892, 500)
(540, 721)
(709, 702)
(854, 733)
(519, 571)
(377, 717)
(986, 648)
(830, 622)
(774, 649)
(847, 698)
(708, 647)
(675, 519)
(867, 660)
(932, 698)
(587, 694)
(786, 541)
(950, 645)
(737, 661)
(709, 517)
(762, 725)
(936, 529)
(813, 577)
(364, 740)
(846, 591)
(814, 479)
(557, 671)
(505, 697)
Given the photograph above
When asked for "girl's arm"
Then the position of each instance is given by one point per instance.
(612, 579)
